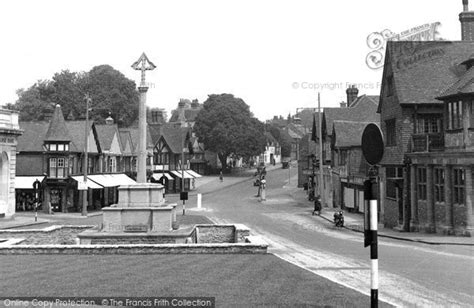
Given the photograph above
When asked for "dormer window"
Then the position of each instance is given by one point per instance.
(58, 147)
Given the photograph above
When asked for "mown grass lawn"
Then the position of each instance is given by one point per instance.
(234, 280)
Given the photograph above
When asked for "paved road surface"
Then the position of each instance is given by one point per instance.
(410, 273)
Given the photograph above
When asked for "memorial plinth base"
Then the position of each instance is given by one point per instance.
(141, 208)
(139, 219)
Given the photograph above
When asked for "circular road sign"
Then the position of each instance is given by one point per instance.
(372, 144)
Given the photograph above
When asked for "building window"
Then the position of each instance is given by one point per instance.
(439, 184)
(58, 147)
(342, 157)
(455, 115)
(58, 167)
(391, 135)
(112, 164)
(428, 124)
(90, 165)
(458, 186)
(421, 182)
(393, 175)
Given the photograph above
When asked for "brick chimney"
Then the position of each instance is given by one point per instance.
(352, 93)
(466, 18)
(195, 104)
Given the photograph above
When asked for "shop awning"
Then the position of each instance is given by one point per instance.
(82, 186)
(112, 180)
(158, 176)
(26, 182)
(179, 175)
(193, 173)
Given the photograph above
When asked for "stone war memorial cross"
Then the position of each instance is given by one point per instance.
(143, 65)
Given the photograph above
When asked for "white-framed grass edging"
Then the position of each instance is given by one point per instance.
(203, 239)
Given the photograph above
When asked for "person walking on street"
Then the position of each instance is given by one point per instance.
(317, 205)
(221, 177)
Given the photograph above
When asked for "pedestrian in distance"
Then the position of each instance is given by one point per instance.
(221, 176)
(317, 205)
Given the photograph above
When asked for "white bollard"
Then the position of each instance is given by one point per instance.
(199, 199)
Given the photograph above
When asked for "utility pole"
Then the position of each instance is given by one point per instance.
(182, 177)
(86, 157)
(321, 184)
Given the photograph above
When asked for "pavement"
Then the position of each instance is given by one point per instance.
(355, 222)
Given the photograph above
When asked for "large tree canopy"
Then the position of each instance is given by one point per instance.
(226, 126)
(109, 90)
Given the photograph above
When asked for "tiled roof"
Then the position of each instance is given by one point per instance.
(126, 137)
(57, 130)
(348, 133)
(76, 131)
(134, 133)
(422, 71)
(364, 109)
(464, 85)
(32, 139)
(174, 137)
(105, 134)
(297, 131)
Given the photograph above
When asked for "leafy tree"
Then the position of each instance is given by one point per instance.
(109, 90)
(226, 126)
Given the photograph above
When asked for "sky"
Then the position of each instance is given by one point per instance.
(275, 55)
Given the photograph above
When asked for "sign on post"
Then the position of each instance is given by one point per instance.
(372, 149)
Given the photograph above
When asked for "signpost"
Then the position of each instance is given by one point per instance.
(372, 149)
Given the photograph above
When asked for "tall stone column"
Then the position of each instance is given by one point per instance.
(413, 200)
(469, 200)
(448, 199)
(431, 226)
(141, 173)
(143, 65)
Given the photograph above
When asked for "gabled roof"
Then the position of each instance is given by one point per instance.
(363, 109)
(76, 131)
(296, 131)
(174, 137)
(57, 130)
(134, 134)
(106, 134)
(348, 133)
(126, 139)
(423, 70)
(32, 139)
(464, 85)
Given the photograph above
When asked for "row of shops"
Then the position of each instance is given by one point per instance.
(66, 195)
(172, 180)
